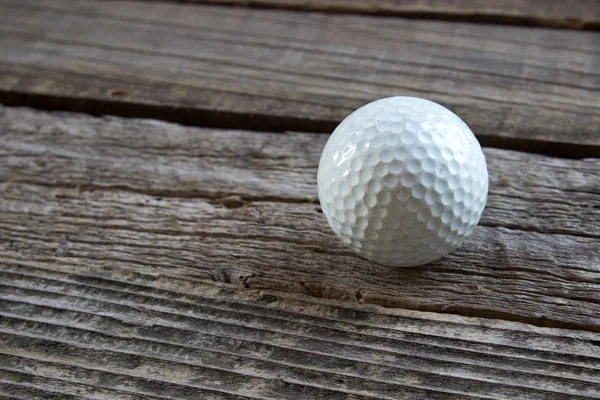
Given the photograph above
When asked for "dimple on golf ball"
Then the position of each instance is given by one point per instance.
(402, 181)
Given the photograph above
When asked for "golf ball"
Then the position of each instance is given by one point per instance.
(402, 181)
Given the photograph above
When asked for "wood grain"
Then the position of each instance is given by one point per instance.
(73, 331)
(520, 88)
(240, 207)
(571, 14)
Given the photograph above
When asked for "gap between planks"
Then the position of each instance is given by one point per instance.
(572, 14)
(225, 67)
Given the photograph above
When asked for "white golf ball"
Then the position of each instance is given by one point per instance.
(402, 181)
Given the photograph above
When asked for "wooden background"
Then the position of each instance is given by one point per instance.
(160, 232)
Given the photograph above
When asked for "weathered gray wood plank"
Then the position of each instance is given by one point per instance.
(570, 14)
(520, 88)
(239, 207)
(78, 330)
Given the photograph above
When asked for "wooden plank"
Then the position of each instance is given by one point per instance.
(520, 88)
(571, 14)
(240, 207)
(76, 330)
